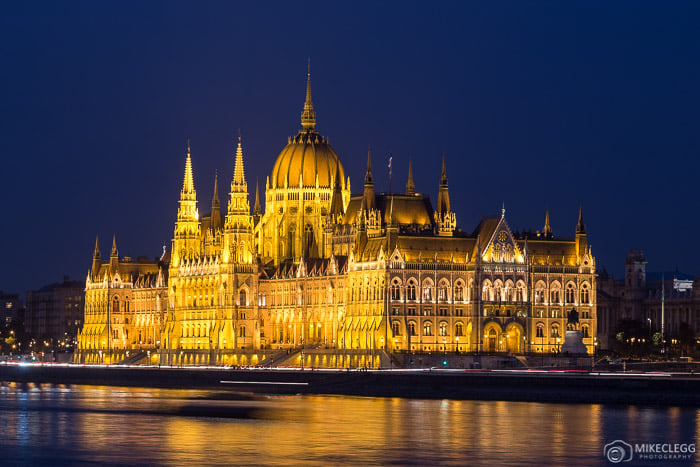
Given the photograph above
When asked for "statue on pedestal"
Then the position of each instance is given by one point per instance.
(573, 339)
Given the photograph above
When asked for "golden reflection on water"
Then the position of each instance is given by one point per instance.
(137, 426)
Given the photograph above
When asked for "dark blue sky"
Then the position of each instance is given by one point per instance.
(536, 104)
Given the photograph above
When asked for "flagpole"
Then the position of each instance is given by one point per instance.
(663, 291)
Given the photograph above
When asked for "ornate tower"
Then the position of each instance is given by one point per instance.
(445, 219)
(238, 230)
(186, 239)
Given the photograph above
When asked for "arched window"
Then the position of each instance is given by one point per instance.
(395, 291)
(459, 292)
(308, 239)
(497, 288)
(443, 329)
(555, 331)
(540, 330)
(540, 293)
(459, 329)
(508, 254)
(242, 298)
(509, 291)
(496, 252)
(396, 328)
(427, 328)
(570, 293)
(115, 305)
(584, 331)
(554, 294)
(585, 295)
(486, 292)
(411, 291)
(411, 328)
(427, 291)
(520, 292)
(443, 291)
(241, 331)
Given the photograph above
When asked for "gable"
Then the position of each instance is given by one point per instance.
(501, 246)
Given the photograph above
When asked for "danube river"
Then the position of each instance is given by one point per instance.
(77, 425)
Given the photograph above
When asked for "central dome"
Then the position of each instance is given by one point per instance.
(307, 155)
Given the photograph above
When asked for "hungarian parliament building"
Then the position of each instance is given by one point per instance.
(346, 279)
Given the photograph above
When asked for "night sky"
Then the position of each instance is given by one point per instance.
(536, 105)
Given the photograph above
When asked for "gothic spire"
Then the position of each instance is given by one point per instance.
(114, 252)
(580, 227)
(368, 174)
(443, 204)
(337, 209)
(96, 254)
(308, 116)
(443, 177)
(256, 208)
(215, 206)
(368, 197)
(547, 231)
(410, 187)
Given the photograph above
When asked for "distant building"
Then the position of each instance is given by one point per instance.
(55, 311)
(638, 297)
(10, 306)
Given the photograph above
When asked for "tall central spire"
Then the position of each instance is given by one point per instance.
(308, 116)
(238, 172)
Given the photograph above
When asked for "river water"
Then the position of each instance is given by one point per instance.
(94, 425)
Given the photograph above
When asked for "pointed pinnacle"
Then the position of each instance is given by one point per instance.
(410, 186)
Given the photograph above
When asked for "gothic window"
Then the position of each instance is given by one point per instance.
(290, 240)
(241, 331)
(570, 293)
(540, 330)
(443, 292)
(459, 329)
(443, 329)
(412, 328)
(496, 252)
(427, 328)
(508, 254)
(411, 291)
(459, 292)
(540, 293)
(555, 331)
(396, 328)
(509, 291)
(487, 292)
(395, 291)
(308, 239)
(584, 331)
(115, 305)
(497, 291)
(520, 292)
(427, 291)
(585, 295)
(242, 298)
(554, 294)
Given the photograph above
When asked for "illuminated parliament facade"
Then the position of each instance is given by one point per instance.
(333, 278)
